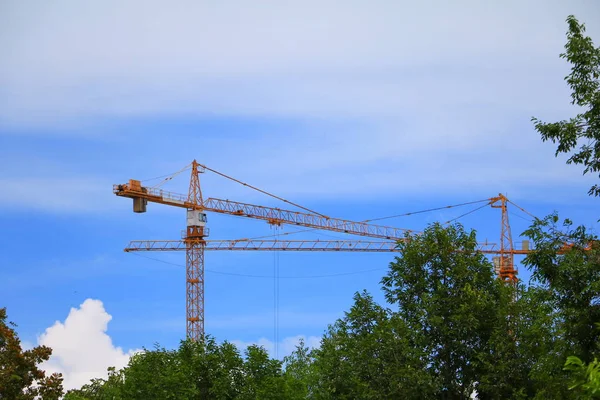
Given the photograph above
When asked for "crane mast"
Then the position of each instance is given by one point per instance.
(505, 262)
(194, 250)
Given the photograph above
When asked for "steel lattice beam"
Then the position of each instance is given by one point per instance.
(293, 245)
(272, 215)
(194, 290)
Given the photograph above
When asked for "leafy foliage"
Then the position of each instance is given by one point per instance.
(367, 355)
(582, 130)
(450, 329)
(447, 297)
(587, 377)
(20, 378)
(299, 373)
(196, 370)
(571, 275)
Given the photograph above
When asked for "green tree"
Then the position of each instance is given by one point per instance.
(20, 377)
(300, 374)
(540, 344)
(565, 269)
(196, 370)
(368, 355)
(583, 130)
(453, 329)
(505, 360)
(157, 374)
(587, 379)
(100, 389)
(210, 369)
(448, 297)
(571, 275)
(569, 279)
(263, 376)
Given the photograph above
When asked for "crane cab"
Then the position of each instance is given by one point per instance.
(196, 225)
(196, 218)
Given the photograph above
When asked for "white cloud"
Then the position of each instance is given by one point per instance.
(394, 98)
(72, 195)
(285, 347)
(81, 348)
(68, 61)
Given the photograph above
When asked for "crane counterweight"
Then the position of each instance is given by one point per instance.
(139, 205)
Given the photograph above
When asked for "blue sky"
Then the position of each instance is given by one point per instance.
(356, 111)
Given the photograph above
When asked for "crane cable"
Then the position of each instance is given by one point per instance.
(276, 299)
(465, 214)
(428, 210)
(170, 177)
(161, 176)
(262, 191)
(264, 276)
(522, 209)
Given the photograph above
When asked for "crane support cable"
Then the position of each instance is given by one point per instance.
(262, 191)
(428, 210)
(519, 216)
(266, 276)
(169, 177)
(465, 214)
(524, 210)
(276, 276)
(164, 176)
(281, 234)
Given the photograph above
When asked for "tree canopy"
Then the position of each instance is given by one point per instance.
(579, 135)
(196, 370)
(20, 377)
(449, 329)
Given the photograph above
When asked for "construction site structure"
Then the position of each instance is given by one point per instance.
(195, 244)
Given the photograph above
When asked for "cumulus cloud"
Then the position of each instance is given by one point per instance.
(285, 347)
(81, 347)
(83, 350)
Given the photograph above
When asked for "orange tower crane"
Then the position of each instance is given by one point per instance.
(505, 262)
(194, 240)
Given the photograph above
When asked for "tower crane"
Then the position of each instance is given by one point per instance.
(194, 240)
(195, 244)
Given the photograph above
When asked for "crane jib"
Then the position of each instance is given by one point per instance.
(274, 216)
